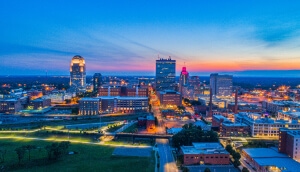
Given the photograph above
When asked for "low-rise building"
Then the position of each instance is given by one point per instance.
(263, 125)
(205, 153)
(275, 106)
(269, 159)
(39, 103)
(234, 129)
(168, 113)
(169, 98)
(10, 105)
(109, 104)
(289, 143)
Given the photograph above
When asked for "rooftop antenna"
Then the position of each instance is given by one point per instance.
(158, 56)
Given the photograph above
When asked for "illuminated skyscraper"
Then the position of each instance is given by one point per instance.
(97, 81)
(183, 80)
(77, 73)
(221, 85)
(165, 74)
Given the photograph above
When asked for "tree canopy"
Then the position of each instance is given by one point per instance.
(191, 133)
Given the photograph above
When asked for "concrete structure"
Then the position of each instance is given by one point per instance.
(77, 73)
(10, 105)
(123, 91)
(110, 104)
(183, 79)
(290, 115)
(205, 153)
(269, 159)
(97, 81)
(165, 74)
(168, 113)
(275, 106)
(244, 107)
(263, 126)
(169, 98)
(234, 129)
(148, 122)
(221, 84)
(194, 81)
(39, 103)
(289, 143)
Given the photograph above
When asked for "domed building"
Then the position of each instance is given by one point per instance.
(77, 73)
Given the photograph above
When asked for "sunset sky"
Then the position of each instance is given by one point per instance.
(126, 37)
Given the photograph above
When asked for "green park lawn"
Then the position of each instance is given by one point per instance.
(90, 157)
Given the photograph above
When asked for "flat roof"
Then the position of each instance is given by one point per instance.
(285, 164)
(264, 153)
(234, 124)
(271, 157)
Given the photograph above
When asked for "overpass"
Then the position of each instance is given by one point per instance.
(150, 136)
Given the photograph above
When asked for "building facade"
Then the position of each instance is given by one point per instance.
(169, 98)
(221, 85)
(110, 104)
(263, 126)
(205, 153)
(289, 143)
(165, 74)
(77, 73)
(97, 81)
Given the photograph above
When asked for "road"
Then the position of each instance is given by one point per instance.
(167, 162)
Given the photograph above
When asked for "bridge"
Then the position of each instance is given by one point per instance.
(150, 136)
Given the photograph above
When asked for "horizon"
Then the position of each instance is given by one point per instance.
(206, 37)
(248, 73)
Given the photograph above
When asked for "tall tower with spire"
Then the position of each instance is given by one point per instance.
(183, 80)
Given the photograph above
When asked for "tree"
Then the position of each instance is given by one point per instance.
(236, 163)
(206, 170)
(236, 156)
(29, 148)
(185, 169)
(229, 149)
(245, 169)
(191, 133)
(2, 154)
(21, 153)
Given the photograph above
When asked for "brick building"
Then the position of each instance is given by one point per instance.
(205, 153)
(289, 143)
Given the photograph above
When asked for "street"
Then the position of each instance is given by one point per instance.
(167, 163)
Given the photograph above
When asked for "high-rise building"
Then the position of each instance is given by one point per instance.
(194, 81)
(183, 80)
(221, 85)
(97, 81)
(165, 74)
(77, 73)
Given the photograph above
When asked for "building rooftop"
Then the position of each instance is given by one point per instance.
(204, 148)
(150, 117)
(234, 124)
(271, 157)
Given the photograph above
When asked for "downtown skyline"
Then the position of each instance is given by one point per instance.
(118, 37)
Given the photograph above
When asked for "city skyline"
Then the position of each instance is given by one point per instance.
(244, 39)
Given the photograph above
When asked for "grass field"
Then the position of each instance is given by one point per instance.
(90, 157)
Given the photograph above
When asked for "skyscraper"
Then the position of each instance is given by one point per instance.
(97, 81)
(77, 73)
(183, 80)
(221, 85)
(165, 74)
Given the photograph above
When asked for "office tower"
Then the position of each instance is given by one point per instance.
(165, 74)
(221, 85)
(183, 80)
(97, 81)
(77, 73)
(194, 81)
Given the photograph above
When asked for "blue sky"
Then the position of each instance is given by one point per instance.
(126, 37)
